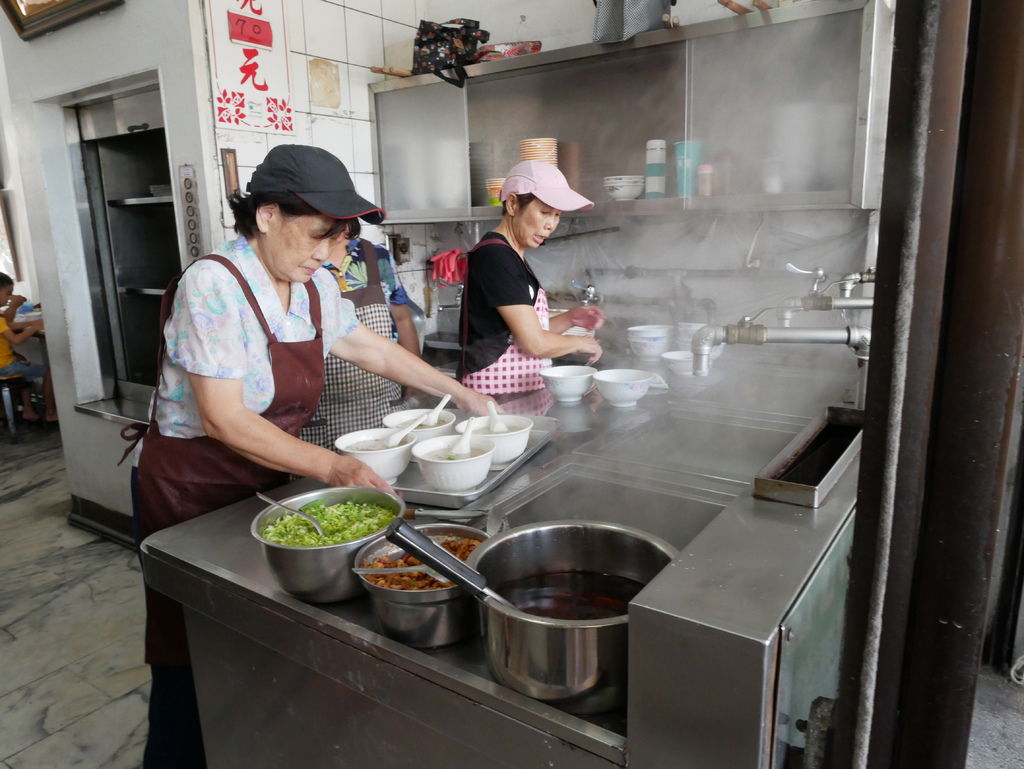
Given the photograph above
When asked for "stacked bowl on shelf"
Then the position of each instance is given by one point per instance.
(544, 150)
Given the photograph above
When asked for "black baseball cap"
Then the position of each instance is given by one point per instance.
(317, 178)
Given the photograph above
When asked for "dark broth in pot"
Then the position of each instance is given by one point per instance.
(571, 595)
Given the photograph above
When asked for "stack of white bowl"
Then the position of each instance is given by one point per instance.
(544, 150)
(649, 341)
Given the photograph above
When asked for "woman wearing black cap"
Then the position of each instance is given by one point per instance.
(245, 334)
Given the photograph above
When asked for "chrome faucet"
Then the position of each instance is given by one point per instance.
(590, 295)
(457, 304)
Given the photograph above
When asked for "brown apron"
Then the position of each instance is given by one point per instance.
(355, 399)
(182, 478)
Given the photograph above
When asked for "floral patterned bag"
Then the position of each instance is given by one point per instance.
(449, 45)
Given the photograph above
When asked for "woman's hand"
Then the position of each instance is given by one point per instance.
(346, 471)
(591, 347)
(590, 318)
(472, 401)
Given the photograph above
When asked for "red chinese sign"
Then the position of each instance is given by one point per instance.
(245, 29)
(251, 74)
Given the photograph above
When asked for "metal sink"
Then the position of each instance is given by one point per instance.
(578, 488)
(705, 442)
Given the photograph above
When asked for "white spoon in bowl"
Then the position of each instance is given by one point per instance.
(461, 447)
(396, 437)
(436, 413)
(495, 425)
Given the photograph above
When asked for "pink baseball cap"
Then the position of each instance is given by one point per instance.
(546, 182)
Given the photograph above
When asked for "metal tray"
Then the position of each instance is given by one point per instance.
(414, 488)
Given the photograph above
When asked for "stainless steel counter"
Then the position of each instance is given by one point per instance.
(280, 680)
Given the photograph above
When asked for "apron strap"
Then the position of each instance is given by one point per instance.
(134, 432)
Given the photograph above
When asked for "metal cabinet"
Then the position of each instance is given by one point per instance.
(788, 107)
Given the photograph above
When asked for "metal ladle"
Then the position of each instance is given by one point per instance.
(307, 516)
(455, 569)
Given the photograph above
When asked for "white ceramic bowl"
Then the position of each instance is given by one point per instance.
(624, 187)
(679, 361)
(387, 463)
(649, 341)
(453, 474)
(507, 445)
(568, 384)
(623, 387)
(446, 423)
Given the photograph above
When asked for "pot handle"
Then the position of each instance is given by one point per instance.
(400, 533)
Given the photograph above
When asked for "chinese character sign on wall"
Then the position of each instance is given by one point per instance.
(250, 65)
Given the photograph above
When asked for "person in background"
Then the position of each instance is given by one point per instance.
(506, 333)
(245, 332)
(355, 399)
(13, 332)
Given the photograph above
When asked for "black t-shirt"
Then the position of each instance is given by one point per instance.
(497, 277)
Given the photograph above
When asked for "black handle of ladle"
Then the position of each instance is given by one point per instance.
(423, 547)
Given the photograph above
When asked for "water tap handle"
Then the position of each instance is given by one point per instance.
(820, 276)
(590, 295)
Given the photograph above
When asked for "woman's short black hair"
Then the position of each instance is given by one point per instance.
(524, 198)
(244, 208)
(5, 280)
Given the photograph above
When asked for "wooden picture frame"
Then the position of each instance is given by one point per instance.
(229, 165)
(31, 18)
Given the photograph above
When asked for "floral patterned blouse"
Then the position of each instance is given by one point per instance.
(213, 332)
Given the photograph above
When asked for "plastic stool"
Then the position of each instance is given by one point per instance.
(7, 385)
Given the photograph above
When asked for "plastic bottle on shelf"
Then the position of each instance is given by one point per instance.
(654, 186)
(705, 180)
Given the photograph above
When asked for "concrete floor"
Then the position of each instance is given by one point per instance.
(73, 688)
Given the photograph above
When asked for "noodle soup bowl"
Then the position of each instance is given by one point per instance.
(370, 447)
(454, 474)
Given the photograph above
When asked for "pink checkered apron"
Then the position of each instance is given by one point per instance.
(515, 371)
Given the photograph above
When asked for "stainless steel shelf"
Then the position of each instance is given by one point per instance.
(147, 201)
(140, 291)
(787, 201)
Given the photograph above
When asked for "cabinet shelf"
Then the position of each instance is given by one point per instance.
(664, 207)
(130, 290)
(147, 201)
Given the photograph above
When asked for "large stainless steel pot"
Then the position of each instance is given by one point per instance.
(577, 665)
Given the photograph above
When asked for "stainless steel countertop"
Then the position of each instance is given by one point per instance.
(728, 577)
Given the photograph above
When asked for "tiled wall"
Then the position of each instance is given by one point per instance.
(331, 47)
(332, 44)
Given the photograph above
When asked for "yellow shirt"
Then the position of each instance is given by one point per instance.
(6, 351)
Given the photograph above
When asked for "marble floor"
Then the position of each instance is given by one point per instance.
(73, 687)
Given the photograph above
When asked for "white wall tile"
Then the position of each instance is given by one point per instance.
(366, 6)
(357, 101)
(302, 134)
(402, 11)
(295, 30)
(340, 71)
(250, 146)
(333, 134)
(298, 73)
(325, 30)
(365, 39)
(398, 40)
(362, 146)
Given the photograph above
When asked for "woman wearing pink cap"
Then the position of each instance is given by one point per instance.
(506, 333)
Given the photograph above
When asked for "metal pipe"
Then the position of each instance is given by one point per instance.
(857, 338)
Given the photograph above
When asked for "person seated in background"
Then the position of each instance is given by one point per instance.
(13, 332)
